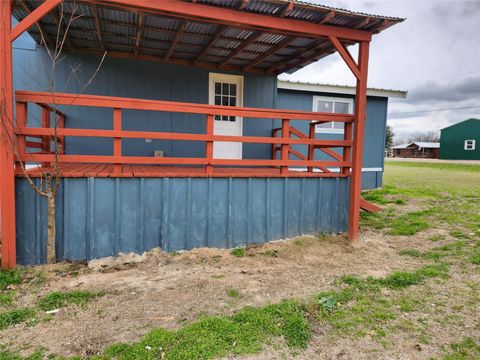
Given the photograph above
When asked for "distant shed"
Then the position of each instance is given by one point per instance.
(461, 141)
(424, 150)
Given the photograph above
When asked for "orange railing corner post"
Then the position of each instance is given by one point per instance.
(7, 161)
(359, 123)
(209, 145)
(347, 150)
(285, 146)
(117, 141)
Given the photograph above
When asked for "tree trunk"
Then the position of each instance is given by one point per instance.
(51, 226)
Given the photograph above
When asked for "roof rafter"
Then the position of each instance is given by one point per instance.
(138, 35)
(244, 4)
(176, 39)
(246, 43)
(98, 28)
(216, 35)
(317, 53)
(329, 16)
(282, 44)
(313, 46)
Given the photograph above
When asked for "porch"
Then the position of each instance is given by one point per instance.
(242, 37)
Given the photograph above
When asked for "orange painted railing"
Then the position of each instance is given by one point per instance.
(287, 117)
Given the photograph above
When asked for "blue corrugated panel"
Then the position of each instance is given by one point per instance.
(99, 217)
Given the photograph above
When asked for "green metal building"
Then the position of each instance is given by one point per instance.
(461, 141)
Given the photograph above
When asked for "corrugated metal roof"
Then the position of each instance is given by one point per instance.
(121, 30)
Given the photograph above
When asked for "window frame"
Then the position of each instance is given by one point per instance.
(332, 130)
(466, 145)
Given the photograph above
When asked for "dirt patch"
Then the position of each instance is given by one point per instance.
(159, 289)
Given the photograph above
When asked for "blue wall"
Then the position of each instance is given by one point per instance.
(138, 79)
(98, 217)
(375, 127)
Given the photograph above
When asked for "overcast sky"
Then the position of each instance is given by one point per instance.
(434, 54)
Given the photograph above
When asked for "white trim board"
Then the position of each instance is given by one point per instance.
(338, 89)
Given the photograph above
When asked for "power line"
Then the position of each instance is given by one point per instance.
(432, 110)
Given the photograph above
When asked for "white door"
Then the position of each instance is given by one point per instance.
(226, 90)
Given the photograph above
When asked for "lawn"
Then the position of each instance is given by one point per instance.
(410, 289)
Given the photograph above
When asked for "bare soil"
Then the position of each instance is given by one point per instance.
(167, 290)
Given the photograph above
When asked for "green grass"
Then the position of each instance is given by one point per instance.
(6, 297)
(10, 277)
(212, 337)
(435, 166)
(13, 317)
(464, 350)
(59, 299)
(238, 252)
(233, 293)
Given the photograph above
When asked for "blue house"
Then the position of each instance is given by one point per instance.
(173, 130)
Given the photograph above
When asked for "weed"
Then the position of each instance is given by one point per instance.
(58, 299)
(10, 277)
(233, 293)
(459, 234)
(238, 252)
(271, 253)
(13, 317)
(6, 297)
(219, 276)
(435, 238)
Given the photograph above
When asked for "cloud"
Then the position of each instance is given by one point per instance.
(434, 54)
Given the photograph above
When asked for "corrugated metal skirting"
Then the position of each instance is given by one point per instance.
(99, 217)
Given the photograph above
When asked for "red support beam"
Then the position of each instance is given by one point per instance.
(285, 147)
(233, 17)
(138, 35)
(117, 142)
(347, 152)
(209, 144)
(21, 120)
(311, 148)
(359, 126)
(216, 35)
(7, 175)
(35, 16)
(346, 56)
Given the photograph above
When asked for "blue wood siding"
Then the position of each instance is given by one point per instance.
(375, 126)
(99, 217)
(139, 79)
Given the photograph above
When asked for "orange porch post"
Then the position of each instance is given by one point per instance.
(7, 179)
(359, 126)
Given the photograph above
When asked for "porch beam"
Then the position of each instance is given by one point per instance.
(41, 29)
(357, 151)
(282, 44)
(246, 43)
(7, 174)
(176, 39)
(33, 18)
(213, 39)
(346, 56)
(231, 17)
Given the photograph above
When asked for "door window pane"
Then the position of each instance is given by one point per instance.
(225, 95)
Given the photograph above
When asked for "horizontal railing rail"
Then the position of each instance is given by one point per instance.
(49, 103)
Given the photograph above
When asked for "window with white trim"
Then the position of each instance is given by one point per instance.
(469, 145)
(332, 105)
